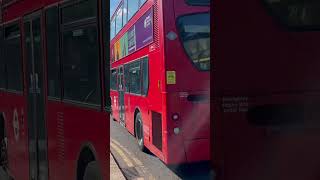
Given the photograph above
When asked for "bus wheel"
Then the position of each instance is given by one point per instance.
(92, 171)
(139, 132)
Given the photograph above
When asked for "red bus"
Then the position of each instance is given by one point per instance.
(160, 76)
(266, 87)
(53, 120)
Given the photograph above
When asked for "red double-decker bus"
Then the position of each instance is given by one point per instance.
(160, 64)
(266, 88)
(53, 120)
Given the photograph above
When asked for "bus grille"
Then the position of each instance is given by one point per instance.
(157, 130)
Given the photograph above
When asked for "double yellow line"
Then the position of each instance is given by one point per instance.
(130, 160)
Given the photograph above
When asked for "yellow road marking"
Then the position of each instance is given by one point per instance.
(122, 154)
(137, 161)
(118, 147)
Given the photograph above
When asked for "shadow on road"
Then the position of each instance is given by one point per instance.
(199, 171)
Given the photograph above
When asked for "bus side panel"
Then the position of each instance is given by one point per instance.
(267, 94)
(15, 115)
(72, 128)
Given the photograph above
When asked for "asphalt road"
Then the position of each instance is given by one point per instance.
(139, 165)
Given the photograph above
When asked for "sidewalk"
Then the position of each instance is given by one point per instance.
(115, 173)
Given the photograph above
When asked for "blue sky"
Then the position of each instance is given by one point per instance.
(113, 4)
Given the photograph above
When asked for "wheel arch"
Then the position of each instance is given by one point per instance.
(86, 155)
(136, 111)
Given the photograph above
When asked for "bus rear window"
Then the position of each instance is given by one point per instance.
(296, 13)
(195, 35)
(198, 2)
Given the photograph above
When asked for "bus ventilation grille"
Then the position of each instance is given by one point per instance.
(156, 23)
(60, 137)
(157, 130)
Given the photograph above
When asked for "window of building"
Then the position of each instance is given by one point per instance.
(52, 29)
(119, 20)
(113, 79)
(82, 10)
(13, 57)
(135, 77)
(133, 6)
(145, 75)
(81, 65)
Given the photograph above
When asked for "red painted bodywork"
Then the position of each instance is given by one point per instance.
(192, 143)
(268, 66)
(69, 127)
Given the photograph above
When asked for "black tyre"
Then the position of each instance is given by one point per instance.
(139, 132)
(92, 171)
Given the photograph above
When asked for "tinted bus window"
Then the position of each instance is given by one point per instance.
(135, 78)
(52, 28)
(82, 10)
(119, 20)
(145, 75)
(198, 2)
(113, 80)
(2, 61)
(127, 77)
(81, 65)
(297, 13)
(195, 35)
(13, 57)
(133, 6)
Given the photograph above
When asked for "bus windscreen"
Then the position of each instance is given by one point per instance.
(195, 35)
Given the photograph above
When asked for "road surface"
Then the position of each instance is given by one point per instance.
(138, 165)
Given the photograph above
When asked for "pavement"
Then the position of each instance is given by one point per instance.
(115, 172)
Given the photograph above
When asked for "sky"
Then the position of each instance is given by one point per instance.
(113, 4)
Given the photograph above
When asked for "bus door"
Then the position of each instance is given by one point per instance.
(38, 162)
(121, 95)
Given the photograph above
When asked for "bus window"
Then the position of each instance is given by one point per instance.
(195, 35)
(52, 29)
(125, 12)
(198, 2)
(2, 62)
(135, 78)
(82, 10)
(133, 6)
(126, 77)
(119, 20)
(145, 75)
(81, 65)
(297, 13)
(142, 3)
(113, 79)
(13, 56)
(112, 29)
